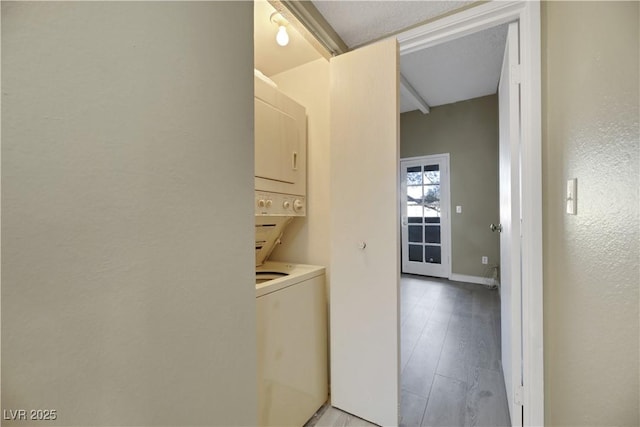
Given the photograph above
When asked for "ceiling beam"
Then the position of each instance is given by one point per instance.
(314, 26)
(413, 95)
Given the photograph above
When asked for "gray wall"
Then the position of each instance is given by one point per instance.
(127, 227)
(591, 273)
(467, 130)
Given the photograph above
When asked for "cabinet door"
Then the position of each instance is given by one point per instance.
(277, 140)
(364, 232)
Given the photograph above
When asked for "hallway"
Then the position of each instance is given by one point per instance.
(450, 354)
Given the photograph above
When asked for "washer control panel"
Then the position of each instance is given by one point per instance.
(276, 204)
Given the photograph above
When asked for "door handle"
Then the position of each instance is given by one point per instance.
(404, 221)
(497, 228)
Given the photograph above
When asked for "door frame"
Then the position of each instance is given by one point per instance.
(470, 21)
(446, 190)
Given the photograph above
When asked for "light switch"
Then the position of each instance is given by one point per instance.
(572, 196)
(458, 209)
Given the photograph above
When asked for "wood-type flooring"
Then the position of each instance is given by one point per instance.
(450, 358)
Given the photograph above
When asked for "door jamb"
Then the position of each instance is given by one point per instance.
(467, 22)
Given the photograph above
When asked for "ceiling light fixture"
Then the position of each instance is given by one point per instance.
(282, 37)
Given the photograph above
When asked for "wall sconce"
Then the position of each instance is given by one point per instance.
(282, 37)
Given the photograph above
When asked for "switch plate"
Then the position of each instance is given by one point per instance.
(485, 260)
(572, 196)
(458, 209)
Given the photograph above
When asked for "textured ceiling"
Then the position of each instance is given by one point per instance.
(458, 70)
(359, 22)
(465, 68)
(462, 69)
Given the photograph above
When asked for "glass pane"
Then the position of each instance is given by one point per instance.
(415, 253)
(415, 219)
(432, 220)
(414, 194)
(415, 233)
(414, 211)
(432, 178)
(431, 174)
(432, 211)
(432, 234)
(432, 254)
(414, 175)
(432, 193)
(432, 200)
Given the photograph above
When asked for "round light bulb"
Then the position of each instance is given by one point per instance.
(282, 38)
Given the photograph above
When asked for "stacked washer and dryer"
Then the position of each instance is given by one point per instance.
(290, 298)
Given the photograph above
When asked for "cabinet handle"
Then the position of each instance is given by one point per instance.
(295, 161)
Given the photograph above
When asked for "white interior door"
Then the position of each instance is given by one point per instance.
(424, 209)
(364, 232)
(510, 248)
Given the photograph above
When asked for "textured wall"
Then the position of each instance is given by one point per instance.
(127, 262)
(591, 273)
(467, 130)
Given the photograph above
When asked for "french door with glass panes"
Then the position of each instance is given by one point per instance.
(426, 229)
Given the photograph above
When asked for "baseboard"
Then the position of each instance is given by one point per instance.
(471, 279)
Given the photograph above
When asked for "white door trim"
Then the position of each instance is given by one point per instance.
(469, 21)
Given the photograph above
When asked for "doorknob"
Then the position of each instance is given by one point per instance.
(497, 228)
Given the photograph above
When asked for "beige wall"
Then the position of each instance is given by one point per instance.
(591, 274)
(467, 130)
(306, 240)
(127, 226)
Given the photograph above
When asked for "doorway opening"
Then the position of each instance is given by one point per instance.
(522, 305)
(450, 330)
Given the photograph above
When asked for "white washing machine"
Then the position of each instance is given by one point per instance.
(291, 306)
